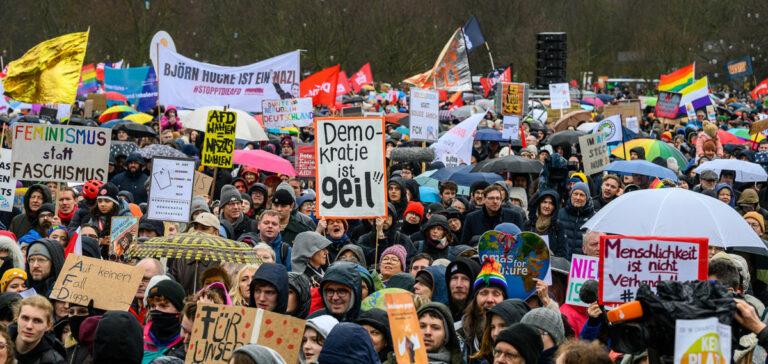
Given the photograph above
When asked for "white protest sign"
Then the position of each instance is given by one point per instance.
(626, 262)
(511, 130)
(284, 113)
(7, 182)
(424, 120)
(690, 111)
(594, 153)
(632, 124)
(711, 115)
(350, 179)
(455, 146)
(187, 83)
(583, 268)
(702, 341)
(170, 192)
(559, 96)
(60, 153)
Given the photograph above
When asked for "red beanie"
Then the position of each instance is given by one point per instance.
(415, 207)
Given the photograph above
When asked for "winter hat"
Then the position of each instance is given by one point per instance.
(525, 339)
(153, 225)
(46, 207)
(152, 282)
(548, 320)
(171, 290)
(282, 197)
(208, 219)
(425, 278)
(199, 204)
(748, 196)
(708, 175)
(757, 217)
(38, 249)
(396, 250)
(135, 157)
(10, 274)
(261, 354)
(229, 194)
(435, 220)
(402, 280)
(416, 208)
(581, 186)
(109, 191)
(308, 197)
(490, 276)
(477, 185)
(578, 177)
(118, 338)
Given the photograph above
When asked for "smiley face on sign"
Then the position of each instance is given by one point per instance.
(523, 257)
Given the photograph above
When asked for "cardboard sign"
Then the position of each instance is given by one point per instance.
(758, 126)
(559, 96)
(522, 258)
(594, 153)
(511, 129)
(88, 109)
(513, 98)
(424, 118)
(626, 262)
(99, 102)
(48, 114)
(702, 341)
(110, 285)
(583, 268)
(60, 153)
(285, 113)
(407, 338)
(219, 330)
(625, 109)
(7, 182)
(124, 230)
(202, 184)
(170, 192)
(350, 177)
(667, 104)
(305, 161)
(219, 142)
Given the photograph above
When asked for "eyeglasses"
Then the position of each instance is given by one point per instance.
(37, 260)
(343, 293)
(390, 259)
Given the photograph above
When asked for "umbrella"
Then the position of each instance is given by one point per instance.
(675, 212)
(115, 96)
(587, 127)
(447, 172)
(489, 134)
(116, 112)
(510, 164)
(429, 194)
(463, 112)
(592, 100)
(728, 138)
(247, 127)
(136, 130)
(653, 148)
(82, 122)
(467, 179)
(114, 123)
(745, 171)
(196, 246)
(743, 134)
(160, 150)
(572, 118)
(605, 98)
(122, 148)
(485, 104)
(565, 137)
(536, 125)
(140, 118)
(459, 174)
(403, 130)
(264, 161)
(641, 167)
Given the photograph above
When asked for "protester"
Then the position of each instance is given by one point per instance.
(437, 237)
(269, 288)
(32, 340)
(504, 314)
(489, 289)
(269, 233)
(440, 338)
(519, 343)
(292, 222)
(241, 289)
(341, 292)
(543, 220)
(133, 179)
(459, 277)
(491, 214)
(315, 333)
(34, 198)
(162, 332)
(299, 295)
(310, 255)
(45, 258)
(152, 267)
(342, 346)
(550, 326)
(232, 214)
(385, 235)
(376, 322)
(578, 209)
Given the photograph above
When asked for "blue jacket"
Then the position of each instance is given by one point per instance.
(344, 346)
(133, 183)
(439, 288)
(277, 247)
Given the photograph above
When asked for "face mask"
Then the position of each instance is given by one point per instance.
(74, 325)
(165, 326)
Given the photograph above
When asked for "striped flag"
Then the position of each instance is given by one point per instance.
(678, 80)
(75, 244)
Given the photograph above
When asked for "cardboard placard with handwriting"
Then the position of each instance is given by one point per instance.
(626, 109)
(202, 184)
(110, 285)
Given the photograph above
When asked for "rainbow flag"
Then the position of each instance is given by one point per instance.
(88, 81)
(657, 183)
(677, 80)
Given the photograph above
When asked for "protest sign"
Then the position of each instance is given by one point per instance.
(522, 257)
(190, 84)
(99, 102)
(691, 112)
(7, 182)
(758, 126)
(170, 190)
(110, 285)
(583, 268)
(60, 153)
(137, 84)
(18, 200)
(511, 129)
(349, 177)
(424, 115)
(594, 153)
(124, 230)
(88, 108)
(667, 104)
(219, 330)
(219, 142)
(455, 146)
(284, 113)
(702, 341)
(626, 262)
(305, 161)
(632, 124)
(512, 99)
(559, 96)
(407, 339)
(738, 68)
(202, 184)
(625, 109)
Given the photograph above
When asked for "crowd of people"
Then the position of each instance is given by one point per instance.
(324, 270)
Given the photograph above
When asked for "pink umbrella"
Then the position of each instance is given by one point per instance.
(592, 100)
(264, 161)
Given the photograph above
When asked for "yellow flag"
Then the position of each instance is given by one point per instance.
(49, 72)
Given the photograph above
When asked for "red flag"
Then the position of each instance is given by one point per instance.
(342, 85)
(362, 77)
(487, 84)
(321, 86)
(75, 244)
(456, 100)
(506, 76)
(761, 89)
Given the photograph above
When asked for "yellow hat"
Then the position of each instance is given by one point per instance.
(10, 275)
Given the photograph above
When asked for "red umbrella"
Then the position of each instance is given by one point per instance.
(728, 138)
(115, 96)
(264, 161)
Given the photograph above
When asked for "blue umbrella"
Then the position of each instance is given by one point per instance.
(489, 134)
(605, 98)
(467, 179)
(641, 167)
(428, 194)
(446, 173)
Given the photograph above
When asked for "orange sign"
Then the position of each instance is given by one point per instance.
(407, 338)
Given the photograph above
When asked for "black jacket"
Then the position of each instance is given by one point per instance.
(119, 339)
(48, 351)
(242, 225)
(299, 283)
(393, 237)
(45, 286)
(23, 223)
(599, 202)
(277, 276)
(133, 183)
(571, 219)
(557, 242)
(477, 222)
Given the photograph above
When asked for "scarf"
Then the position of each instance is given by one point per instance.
(443, 356)
(66, 218)
(543, 223)
(437, 244)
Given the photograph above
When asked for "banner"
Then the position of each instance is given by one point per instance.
(138, 85)
(60, 153)
(610, 128)
(170, 190)
(455, 146)
(111, 285)
(305, 161)
(523, 258)
(512, 99)
(702, 341)
(472, 34)
(361, 77)
(407, 339)
(594, 153)
(190, 84)
(219, 141)
(321, 86)
(285, 113)
(451, 71)
(667, 104)
(424, 118)
(626, 262)
(7, 182)
(124, 230)
(350, 180)
(559, 96)
(583, 268)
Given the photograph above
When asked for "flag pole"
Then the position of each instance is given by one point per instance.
(466, 53)
(490, 56)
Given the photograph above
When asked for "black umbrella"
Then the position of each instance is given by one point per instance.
(511, 164)
(122, 148)
(565, 137)
(82, 122)
(535, 125)
(351, 99)
(136, 130)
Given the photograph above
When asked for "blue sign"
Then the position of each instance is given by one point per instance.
(138, 84)
(739, 68)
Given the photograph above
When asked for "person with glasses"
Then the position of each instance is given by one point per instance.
(550, 325)
(757, 222)
(491, 214)
(269, 288)
(45, 258)
(440, 338)
(517, 344)
(341, 292)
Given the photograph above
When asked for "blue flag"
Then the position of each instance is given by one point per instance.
(138, 84)
(472, 34)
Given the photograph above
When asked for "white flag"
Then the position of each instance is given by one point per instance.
(610, 127)
(455, 146)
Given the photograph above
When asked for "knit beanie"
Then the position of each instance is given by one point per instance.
(229, 194)
(581, 186)
(109, 191)
(398, 251)
(525, 339)
(170, 290)
(548, 320)
(199, 204)
(490, 276)
(416, 208)
(758, 217)
(39, 249)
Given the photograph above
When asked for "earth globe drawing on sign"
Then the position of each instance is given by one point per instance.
(522, 258)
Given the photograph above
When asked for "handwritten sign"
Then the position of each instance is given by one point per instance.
(594, 153)
(291, 112)
(219, 142)
(110, 285)
(424, 119)
(583, 268)
(202, 184)
(702, 341)
(7, 182)
(407, 338)
(513, 98)
(350, 181)
(626, 262)
(667, 104)
(559, 96)
(305, 161)
(124, 231)
(170, 190)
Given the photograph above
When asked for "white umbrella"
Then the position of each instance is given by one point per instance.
(745, 171)
(247, 127)
(675, 212)
(587, 127)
